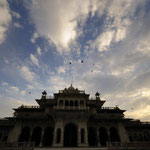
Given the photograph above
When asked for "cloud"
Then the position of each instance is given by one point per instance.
(23, 93)
(30, 87)
(127, 70)
(16, 14)
(11, 90)
(6, 60)
(5, 19)
(35, 36)
(4, 83)
(104, 40)
(27, 74)
(7, 103)
(39, 50)
(58, 82)
(57, 20)
(14, 88)
(34, 60)
(61, 69)
(116, 25)
(18, 25)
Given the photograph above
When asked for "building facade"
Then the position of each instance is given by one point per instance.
(72, 119)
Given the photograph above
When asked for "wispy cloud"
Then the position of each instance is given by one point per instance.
(34, 59)
(27, 74)
(16, 14)
(39, 51)
(18, 25)
(34, 37)
(60, 23)
(5, 19)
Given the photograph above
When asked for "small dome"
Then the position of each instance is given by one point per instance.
(44, 93)
(97, 94)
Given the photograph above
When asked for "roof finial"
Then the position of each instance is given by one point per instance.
(72, 79)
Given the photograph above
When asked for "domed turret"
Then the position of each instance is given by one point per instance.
(44, 93)
(97, 95)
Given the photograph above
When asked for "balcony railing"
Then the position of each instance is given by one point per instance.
(110, 108)
(128, 145)
(72, 91)
(71, 107)
(18, 146)
(24, 106)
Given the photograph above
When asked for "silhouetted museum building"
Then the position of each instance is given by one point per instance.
(70, 118)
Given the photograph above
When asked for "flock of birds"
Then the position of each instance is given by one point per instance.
(91, 72)
(71, 64)
(82, 63)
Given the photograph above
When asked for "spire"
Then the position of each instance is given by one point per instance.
(72, 79)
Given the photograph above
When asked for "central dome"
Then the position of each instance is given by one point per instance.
(71, 88)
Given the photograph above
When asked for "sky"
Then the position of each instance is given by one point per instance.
(98, 45)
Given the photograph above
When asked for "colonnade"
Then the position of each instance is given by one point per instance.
(69, 136)
(139, 136)
(100, 136)
(41, 137)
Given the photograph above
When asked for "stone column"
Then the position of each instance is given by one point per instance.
(42, 136)
(122, 133)
(62, 137)
(98, 140)
(58, 124)
(31, 132)
(86, 136)
(79, 136)
(108, 133)
(84, 126)
(16, 131)
(54, 136)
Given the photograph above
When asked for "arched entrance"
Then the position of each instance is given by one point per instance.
(48, 137)
(114, 136)
(36, 136)
(70, 135)
(103, 136)
(92, 137)
(25, 135)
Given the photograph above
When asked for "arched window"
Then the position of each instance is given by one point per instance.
(66, 103)
(58, 135)
(114, 136)
(131, 138)
(61, 103)
(82, 135)
(76, 103)
(71, 103)
(25, 134)
(81, 103)
(36, 136)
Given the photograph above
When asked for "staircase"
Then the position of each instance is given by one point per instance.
(73, 148)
